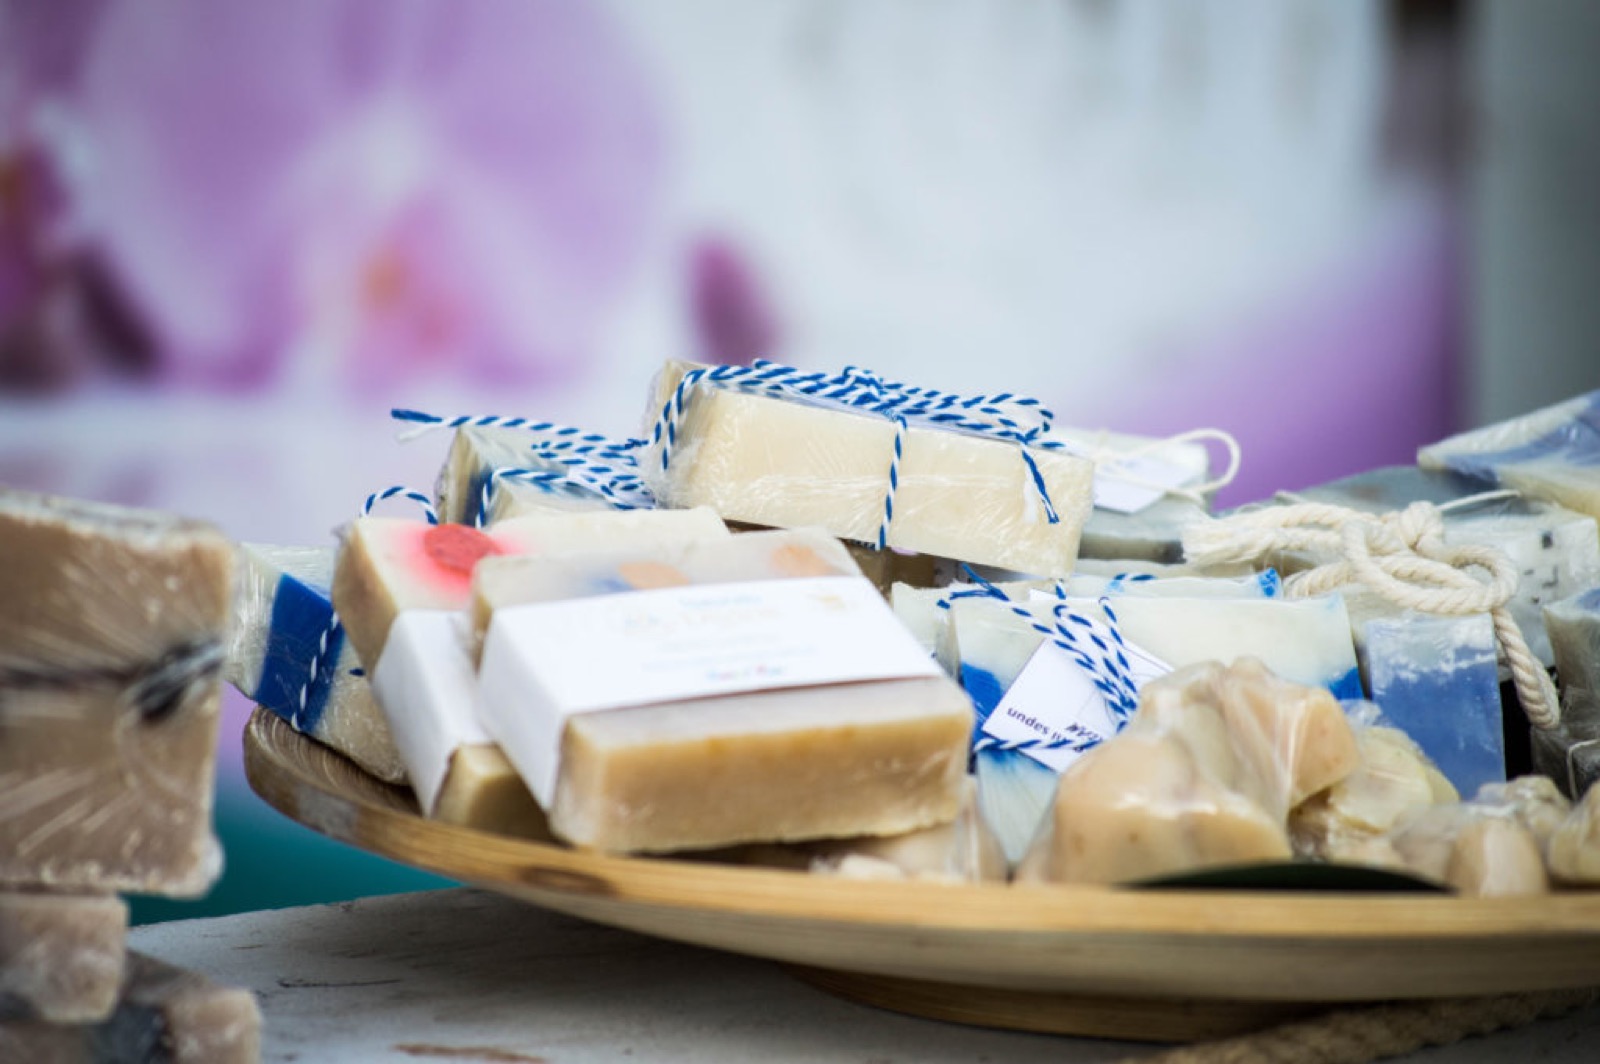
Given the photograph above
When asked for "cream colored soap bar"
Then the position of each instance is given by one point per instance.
(112, 628)
(790, 464)
(470, 492)
(164, 1015)
(749, 763)
(407, 583)
(60, 955)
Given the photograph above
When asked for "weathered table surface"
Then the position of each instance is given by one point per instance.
(466, 975)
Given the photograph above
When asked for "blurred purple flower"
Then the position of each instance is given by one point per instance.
(733, 319)
(408, 188)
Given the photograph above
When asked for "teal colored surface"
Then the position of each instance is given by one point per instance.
(270, 862)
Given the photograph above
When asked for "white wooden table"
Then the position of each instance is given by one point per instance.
(465, 975)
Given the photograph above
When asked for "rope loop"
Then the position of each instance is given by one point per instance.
(1401, 555)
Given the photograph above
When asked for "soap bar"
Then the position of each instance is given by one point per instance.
(790, 464)
(477, 453)
(1573, 625)
(1552, 453)
(1436, 679)
(964, 850)
(1569, 754)
(1493, 845)
(1574, 847)
(60, 956)
(1555, 550)
(112, 627)
(1154, 534)
(288, 652)
(164, 1015)
(638, 694)
(409, 582)
(1205, 775)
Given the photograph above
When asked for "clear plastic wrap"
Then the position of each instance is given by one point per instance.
(60, 955)
(1573, 849)
(1552, 453)
(787, 463)
(1573, 625)
(749, 746)
(288, 653)
(1491, 846)
(1205, 775)
(112, 634)
(162, 1013)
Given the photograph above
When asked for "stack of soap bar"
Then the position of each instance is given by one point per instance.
(60, 956)
(112, 634)
(1206, 774)
(1553, 453)
(401, 589)
(645, 696)
(1492, 846)
(289, 653)
(163, 1015)
(792, 464)
(1555, 550)
(477, 453)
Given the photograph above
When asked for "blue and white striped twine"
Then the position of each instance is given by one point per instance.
(1012, 418)
(1104, 661)
(594, 464)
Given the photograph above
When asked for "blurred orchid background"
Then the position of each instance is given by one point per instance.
(233, 235)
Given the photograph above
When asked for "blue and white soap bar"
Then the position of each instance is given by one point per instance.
(1436, 679)
(1553, 453)
(289, 654)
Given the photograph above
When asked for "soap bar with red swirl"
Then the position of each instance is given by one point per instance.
(112, 627)
(401, 588)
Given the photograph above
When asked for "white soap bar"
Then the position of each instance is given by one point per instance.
(791, 464)
(1553, 454)
(480, 482)
(288, 652)
(879, 749)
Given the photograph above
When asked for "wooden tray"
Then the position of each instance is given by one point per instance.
(1160, 965)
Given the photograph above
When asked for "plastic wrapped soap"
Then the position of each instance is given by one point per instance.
(1573, 849)
(1491, 846)
(60, 956)
(795, 462)
(289, 653)
(1568, 754)
(705, 694)
(1552, 453)
(470, 492)
(112, 632)
(1573, 625)
(1394, 781)
(164, 1015)
(1204, 775)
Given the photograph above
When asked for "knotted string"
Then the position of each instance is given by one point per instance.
(1006, 417)
(1400, 555)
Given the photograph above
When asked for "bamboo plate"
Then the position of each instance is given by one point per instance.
(1162, 965)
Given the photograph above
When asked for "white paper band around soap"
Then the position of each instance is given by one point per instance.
(425, 684)
(545, 662)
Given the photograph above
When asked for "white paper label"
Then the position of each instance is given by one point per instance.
(424, 682)
(1053, 700)
(1130, 484)
(545, 662)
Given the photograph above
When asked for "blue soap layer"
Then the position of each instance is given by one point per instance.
(1448, 702)
(301, 615)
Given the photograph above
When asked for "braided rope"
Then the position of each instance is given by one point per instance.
(1359, 1035)
(1400, 555)
(1006, 417)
